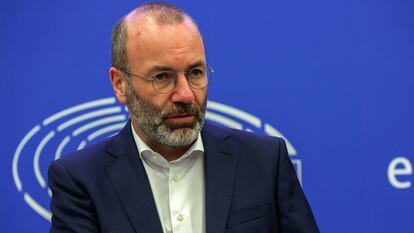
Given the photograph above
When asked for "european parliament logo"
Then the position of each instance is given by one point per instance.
(78, 126)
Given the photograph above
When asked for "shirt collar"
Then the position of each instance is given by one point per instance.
(145, 152)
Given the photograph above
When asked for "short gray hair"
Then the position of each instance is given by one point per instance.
(163, 13)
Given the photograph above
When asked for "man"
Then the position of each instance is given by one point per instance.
(168, 170)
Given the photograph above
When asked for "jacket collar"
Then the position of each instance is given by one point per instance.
(128, 176)
(220, 168)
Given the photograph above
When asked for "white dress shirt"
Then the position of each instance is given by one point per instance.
(177, 187)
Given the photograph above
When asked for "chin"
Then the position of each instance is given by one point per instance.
(180, 137)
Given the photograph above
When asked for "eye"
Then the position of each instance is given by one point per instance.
(196, 73)
(162, 77)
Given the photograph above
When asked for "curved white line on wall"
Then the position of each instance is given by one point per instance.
(39, 149)
(234, 112)
(98, 123)
(223, 120)
(269, 130)
(297, 163)
(77, 108)
(88, 115)
(60, 147)
(81, 145)
(16, 157)
(38, 208)
(105, 130)
(111, 135)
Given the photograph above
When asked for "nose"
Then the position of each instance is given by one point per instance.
(182, 91)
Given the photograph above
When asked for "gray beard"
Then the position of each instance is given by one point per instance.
(151, 120)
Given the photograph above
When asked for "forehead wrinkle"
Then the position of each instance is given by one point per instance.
(139, 39)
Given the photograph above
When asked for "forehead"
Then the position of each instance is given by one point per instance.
(150, 43)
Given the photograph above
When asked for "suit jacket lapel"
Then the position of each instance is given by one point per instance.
(220, 168)
(128, 176)
(130, 180)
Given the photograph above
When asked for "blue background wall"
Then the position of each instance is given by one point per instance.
(334, 77)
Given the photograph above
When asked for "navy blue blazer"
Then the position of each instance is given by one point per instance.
(251, 186)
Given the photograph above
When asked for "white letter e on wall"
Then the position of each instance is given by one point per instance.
(404, 168)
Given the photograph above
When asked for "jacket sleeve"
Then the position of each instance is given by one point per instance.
(72, 208)
(295, 214)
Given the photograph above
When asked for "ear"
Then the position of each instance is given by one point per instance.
(118, 84)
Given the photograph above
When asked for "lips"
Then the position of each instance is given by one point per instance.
(181, 118)
(180, 115)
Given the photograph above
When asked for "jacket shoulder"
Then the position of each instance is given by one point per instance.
(242, 136)
(85, 160)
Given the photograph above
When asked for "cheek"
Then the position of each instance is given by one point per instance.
(200, 96)
(160, 100)
(147, 92)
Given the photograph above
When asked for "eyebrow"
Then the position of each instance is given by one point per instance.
(196, 64)
(158, 68)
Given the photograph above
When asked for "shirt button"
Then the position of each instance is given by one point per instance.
(175, 178)
(180, 218)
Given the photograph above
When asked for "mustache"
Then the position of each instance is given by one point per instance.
(181, 108)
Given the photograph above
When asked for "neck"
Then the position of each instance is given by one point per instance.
(169, 153)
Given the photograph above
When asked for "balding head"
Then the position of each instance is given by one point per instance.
(131, 24)
(161, 13)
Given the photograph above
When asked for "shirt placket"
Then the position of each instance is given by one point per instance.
(180, 212)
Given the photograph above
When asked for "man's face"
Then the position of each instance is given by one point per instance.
(154, 121)
(173, 119)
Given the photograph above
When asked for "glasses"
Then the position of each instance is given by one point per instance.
(165, 81)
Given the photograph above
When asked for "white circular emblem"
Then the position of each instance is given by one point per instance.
(83, 124)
